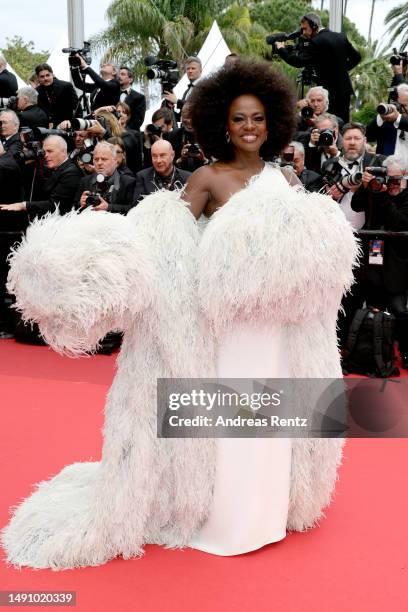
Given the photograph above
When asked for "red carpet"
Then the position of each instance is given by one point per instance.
(51, 415)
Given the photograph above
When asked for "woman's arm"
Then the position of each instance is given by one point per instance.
(197, 190)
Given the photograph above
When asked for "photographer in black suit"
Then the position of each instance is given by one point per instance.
(106, 88)
(331, 55)
(115, 192)
(8, 82)
(135, 100)
(59, 188)
(9, 136)
(30, 114)
(57, 98)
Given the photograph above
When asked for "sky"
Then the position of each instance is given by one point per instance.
(44, 22)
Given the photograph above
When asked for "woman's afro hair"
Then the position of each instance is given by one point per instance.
(211, 98)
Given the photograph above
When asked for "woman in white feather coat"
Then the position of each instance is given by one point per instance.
(272, 260)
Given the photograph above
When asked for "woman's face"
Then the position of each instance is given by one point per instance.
(246, 123)
(123, 116)
(119, 155)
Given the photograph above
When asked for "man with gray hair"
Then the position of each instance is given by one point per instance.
(294, 154)
(9, 137)
(30, 114)
(106, 189)
(59, 188)
(390, 127)
(8, 82)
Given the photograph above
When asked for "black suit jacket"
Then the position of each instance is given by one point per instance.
(13, 145)
(133, 142)
(59, 101)
(137, 103)
(178, 138)
(145, 183)
(59, 190)
(390, 213)
(332, 56)
(103, 93)
(122, 199)
(11, 191)
(8, 84)
(33, 116)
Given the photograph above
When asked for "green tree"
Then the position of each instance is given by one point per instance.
(166, 28)
(397, 20)
(22, 56)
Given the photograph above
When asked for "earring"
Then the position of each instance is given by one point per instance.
(227, 136)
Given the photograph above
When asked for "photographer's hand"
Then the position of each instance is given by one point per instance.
(184, 151)
(302, 103)
(314, 137)
(397, 68)
(64, 125)
(17, 207)
(280, 45)
(170, 97)
(335, 192)
(83, 63)
(103, 205)
(331, 151)
(391, 117)
(82, 201)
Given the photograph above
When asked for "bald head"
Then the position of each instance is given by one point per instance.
(55, 151)
(162, 157)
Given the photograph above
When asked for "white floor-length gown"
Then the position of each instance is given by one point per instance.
(252, 483)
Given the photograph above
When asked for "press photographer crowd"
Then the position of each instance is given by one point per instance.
(62, 150)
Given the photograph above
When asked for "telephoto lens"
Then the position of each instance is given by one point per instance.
(385, 109)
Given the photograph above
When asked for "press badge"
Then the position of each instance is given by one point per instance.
(376, 252)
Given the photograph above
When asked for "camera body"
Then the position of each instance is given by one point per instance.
(165, 70)
(307, 112)
(8, 103)
(376, 184)
(101, 190)
(85, 52)
(385, 109)
(282, 37)
(326, 138)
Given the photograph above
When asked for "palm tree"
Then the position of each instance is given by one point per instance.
(397, 19)
(167, 28)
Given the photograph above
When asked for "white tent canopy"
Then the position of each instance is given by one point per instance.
(59, 61)
(212, 55)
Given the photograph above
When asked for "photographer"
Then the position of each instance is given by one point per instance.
(59, 188)
(189, 155)
(331, 55)
(30, 114)
(163, 174)
(106, 189)
(345, 176)
(106, 88)
(314, 104)
(58, 99)
(294, 155)
(9, 136)
(194, 70)
(384, 199)
(8, 82)
(135, 100)
(322, 142)
(162, 123)
(389, 128)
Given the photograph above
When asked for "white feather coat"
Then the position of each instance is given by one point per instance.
(269, 249)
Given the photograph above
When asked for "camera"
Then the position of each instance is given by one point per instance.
(387, 109)
(398, 57)
(194, 150)
(307, 112)
(85, 52)
(326, 138)
(101, 190)
(333, 176)
(165, 70)
(86, 158)
(380, 173)
(8, 103)
(82, 124)
(282, 37)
